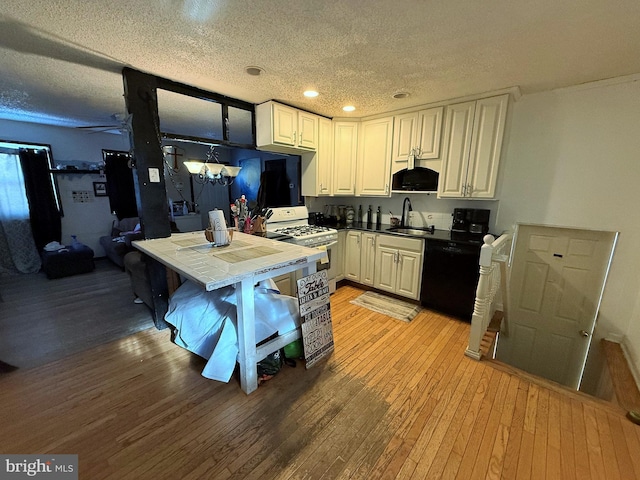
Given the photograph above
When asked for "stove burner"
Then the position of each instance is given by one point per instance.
(302, 230)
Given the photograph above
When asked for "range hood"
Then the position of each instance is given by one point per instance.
(418, 179)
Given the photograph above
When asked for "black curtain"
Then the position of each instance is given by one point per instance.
(120, 184)
(46, 223)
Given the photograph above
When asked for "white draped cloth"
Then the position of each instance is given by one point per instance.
(206, 322)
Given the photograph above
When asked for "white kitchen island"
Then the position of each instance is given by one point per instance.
(246, 261)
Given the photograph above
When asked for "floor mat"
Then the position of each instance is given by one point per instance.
(391, 307)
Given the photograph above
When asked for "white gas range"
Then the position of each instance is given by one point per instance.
(293, 224)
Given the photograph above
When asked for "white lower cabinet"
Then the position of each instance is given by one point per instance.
(386, 262)
(359, 256)
(337, 261)
(398, 265)
(352, 256)
(367, 257)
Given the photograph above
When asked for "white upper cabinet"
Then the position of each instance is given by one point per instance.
(307, 133)
(325, 156)
(317, 168)
(374, 158)
(417, 134)
(281, 128)
(345, 145)
(473, 133)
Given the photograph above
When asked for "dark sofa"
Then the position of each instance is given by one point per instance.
(118, 244)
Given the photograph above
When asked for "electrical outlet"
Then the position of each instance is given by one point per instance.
(413, 218)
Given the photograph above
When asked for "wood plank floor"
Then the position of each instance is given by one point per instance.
(395, 400)
(43, 320)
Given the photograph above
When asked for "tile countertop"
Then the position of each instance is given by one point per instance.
(438, 235)
(191, 255)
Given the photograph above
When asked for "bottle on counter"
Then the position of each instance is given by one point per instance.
(378, 218)
(370, 217)
(360, 214)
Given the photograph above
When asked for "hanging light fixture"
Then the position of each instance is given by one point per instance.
(212, 171)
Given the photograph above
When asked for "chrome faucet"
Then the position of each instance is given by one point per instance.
(404, 203)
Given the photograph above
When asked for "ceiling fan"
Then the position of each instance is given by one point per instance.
(121, 125)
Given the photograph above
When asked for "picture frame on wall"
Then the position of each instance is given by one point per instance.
(100, 189)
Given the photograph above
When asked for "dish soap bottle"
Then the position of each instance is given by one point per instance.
(378, 219)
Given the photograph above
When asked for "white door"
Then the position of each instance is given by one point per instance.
(557, 279)
(374, 158)
(307, 130)
(486, 146)
(367, 258)
(458, 125)
(285, 121)
(408, 282)
(404, 136)
(386, 268)
(352, 256)
(345, 144)
(430, 129)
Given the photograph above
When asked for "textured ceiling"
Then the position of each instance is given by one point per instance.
(61, 61)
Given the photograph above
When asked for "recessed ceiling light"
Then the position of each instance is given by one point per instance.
(399, 95)
(349, 108)
(253, 70)
(311, 93)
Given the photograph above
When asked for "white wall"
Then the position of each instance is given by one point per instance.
(572, 159)
(88, 220)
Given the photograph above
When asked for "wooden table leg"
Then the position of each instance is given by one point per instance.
(247, 336)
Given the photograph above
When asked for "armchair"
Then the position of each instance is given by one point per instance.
(118, 244)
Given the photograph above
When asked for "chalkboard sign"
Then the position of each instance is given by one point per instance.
(315, 311)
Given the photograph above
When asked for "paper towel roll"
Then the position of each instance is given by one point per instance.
(217, 221)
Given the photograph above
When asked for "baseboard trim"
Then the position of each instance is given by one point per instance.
(633, 365)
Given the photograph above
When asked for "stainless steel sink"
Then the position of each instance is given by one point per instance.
(415, 231)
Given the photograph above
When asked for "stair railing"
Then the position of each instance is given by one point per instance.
(494, 264)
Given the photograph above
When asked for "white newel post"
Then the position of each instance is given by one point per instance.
(482, 305)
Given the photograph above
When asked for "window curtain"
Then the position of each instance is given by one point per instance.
(120, 185)
(46, 223)
(18, 252)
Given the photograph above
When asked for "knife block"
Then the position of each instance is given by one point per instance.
(259, 225)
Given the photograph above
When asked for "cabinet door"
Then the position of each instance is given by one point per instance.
(325, 156)
(307, 136)
(374, 158)
(429, 133)
(458, 127)
(338, 258)
(486, 146)
(352, 256)
(409, 274)
(285, 122)
(367, 258)
(404, 136)
(345, 144)
(386, 268)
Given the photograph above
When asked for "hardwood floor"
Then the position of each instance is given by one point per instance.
(44, 320)
(395, 400)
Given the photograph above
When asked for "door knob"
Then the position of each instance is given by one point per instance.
(584, 333)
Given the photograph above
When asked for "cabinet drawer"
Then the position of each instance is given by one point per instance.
(401, 243)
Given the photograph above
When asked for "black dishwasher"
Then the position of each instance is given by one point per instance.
(450, 277)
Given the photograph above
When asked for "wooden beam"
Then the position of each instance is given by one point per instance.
(142, 103)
